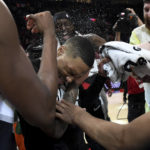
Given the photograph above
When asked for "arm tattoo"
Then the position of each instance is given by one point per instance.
(71, 93)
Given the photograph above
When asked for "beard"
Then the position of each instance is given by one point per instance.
(147, 23)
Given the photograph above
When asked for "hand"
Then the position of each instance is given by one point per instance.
(132, 10)
(40, 22)
(68, 111)
(100, 66)
(146, 78)
(109, 92)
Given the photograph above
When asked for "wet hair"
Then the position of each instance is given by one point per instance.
(80, 47)
(146, 1)
(95, 40)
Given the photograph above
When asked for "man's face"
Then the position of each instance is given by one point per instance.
(64, 29)
(71, 69)
(146, 10)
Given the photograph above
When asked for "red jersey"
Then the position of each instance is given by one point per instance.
(133, 86)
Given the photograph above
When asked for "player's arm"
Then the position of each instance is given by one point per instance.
(34, 99)
(70, 95)
(133, 136)
(112, 136)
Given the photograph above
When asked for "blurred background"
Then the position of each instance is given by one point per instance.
(89, 16)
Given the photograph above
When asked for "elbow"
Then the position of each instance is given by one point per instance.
(45, 117)
(48, 125)
(59, 129)
(56, 135)
(123, 142)
(55, 131)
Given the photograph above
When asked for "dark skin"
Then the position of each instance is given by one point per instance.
(18, 73)
(14, 65)
(73, 73)
(70, 95)
(64, 29)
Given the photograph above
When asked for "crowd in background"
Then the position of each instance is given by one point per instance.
(98, 17)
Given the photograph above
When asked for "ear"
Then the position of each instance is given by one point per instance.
(60, 50)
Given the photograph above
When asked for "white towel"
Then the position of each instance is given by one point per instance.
(121, 53)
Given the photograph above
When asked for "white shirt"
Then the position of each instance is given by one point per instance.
(6, 111)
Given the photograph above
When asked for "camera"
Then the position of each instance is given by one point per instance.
(126, 22)
(34, 49)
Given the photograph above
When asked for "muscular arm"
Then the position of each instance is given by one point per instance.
(133, 136)
(140, 22)
(34, 99)
(70, 95)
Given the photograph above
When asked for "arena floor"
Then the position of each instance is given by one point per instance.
(115, 103)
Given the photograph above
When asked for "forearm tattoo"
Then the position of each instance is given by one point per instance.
(71, 93)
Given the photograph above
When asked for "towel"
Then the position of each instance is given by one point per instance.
(124, 56)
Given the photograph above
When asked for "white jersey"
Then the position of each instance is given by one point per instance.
(6, 111)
